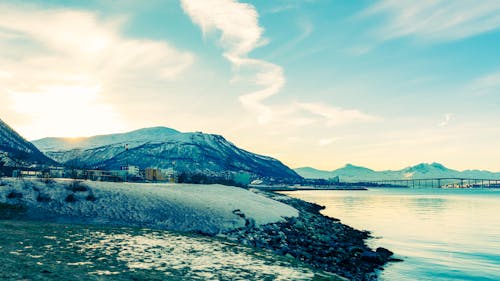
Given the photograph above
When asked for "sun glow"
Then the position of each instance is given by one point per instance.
(69, 111)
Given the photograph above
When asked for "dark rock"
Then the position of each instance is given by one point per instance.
(384, 253)
(70, 198)
(11, 211)
(322, 242)
(14, 195)
(239, 213)
(250, 222)
(43, 198)
(77, 186)
(372, 257)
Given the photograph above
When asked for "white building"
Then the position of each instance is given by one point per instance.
(131, 170)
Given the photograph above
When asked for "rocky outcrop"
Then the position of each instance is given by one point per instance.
(324, 243)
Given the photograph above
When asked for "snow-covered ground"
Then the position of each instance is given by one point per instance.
(183, 207)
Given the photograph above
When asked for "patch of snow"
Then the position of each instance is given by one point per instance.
(183, 207)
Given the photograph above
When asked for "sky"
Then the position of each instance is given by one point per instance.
(384, 84)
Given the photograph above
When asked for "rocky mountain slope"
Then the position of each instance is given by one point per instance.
(163, 148)
(15, 151)
(351, 173)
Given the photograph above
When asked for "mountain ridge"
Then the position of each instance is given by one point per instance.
(15, 151)
(62, 143)
(354, 173)
(163, 148)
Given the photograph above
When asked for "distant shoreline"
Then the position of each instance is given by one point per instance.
(288, 188)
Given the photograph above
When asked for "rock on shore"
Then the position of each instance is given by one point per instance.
(320, 241)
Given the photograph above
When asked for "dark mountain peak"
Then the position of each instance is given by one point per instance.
(18, 150)
(438, 166)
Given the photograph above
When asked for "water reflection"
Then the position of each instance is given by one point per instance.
(442, 234)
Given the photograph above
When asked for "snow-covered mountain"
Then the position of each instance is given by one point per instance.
(162, 148)
(142, 135)
(15, 151)
(351, 173)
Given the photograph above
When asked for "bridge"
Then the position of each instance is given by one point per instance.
(438, 183)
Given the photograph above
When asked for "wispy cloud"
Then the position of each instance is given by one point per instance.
(306, 29)
(60, 59)
(240, 34)
(435, 20)
(446, 120)
(286, 5)
(359, 50)
(333, 116)
(486, 84)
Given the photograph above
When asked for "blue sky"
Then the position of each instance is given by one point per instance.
(383, 84)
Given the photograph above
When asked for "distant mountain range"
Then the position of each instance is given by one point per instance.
(162, 148)
(15, 151)
(351, 173)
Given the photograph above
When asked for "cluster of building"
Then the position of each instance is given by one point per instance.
(126, 173)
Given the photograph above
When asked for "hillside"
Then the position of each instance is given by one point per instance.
(163, 148)
(15, 151)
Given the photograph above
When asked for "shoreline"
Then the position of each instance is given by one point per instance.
(305, 234)
(320, 241)
(270, 188)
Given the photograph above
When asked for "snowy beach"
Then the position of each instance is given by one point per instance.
(208, 209)
(277, 223)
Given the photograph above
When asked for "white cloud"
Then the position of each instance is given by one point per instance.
(238, 23)
(436, 20)
(62, 59)
(240, 34)
(333, 116)
(446, 120)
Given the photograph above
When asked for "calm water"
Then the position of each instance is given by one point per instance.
(442, 234)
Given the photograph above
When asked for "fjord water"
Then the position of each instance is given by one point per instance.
(442, 234)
